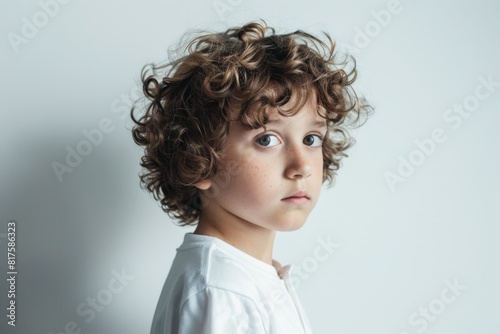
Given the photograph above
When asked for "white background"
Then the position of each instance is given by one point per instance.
(398, 246)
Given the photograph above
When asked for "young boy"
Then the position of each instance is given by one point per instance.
(239, 137)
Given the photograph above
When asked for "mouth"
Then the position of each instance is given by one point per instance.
(298, 197)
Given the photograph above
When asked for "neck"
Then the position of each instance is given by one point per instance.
(247, 237)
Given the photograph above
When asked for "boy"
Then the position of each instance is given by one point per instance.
(239, 137)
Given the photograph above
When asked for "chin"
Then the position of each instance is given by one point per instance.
(289, 227)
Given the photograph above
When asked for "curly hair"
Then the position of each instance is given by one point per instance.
(223, 77)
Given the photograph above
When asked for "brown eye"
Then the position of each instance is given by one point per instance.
(312, 140)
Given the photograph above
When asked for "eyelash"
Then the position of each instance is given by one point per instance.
(321, 138)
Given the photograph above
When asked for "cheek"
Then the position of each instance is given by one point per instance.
(254, 184)
(318, 172)
(320, 167)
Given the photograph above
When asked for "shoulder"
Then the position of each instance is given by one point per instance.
(214, 265)
(223, 271)
(210, 286)
(219, 294)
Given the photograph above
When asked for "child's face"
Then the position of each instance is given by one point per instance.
(267, 168)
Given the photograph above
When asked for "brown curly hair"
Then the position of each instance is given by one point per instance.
(224, 77)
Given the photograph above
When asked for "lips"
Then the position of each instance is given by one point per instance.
(298, 194)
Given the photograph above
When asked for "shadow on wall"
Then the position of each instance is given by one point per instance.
(67, 232)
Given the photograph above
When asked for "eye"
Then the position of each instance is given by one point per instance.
(268, 140)
(313, 140)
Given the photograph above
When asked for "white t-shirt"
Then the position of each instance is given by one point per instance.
(215, 288)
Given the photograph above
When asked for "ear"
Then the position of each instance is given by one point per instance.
(203, 185)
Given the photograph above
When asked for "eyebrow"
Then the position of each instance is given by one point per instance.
(316, 123)
(319, 124)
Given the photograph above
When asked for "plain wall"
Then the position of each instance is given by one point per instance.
(400, 246)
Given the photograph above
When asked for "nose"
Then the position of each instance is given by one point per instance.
(298, 163)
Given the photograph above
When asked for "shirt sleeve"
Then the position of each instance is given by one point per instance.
(216, 311)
